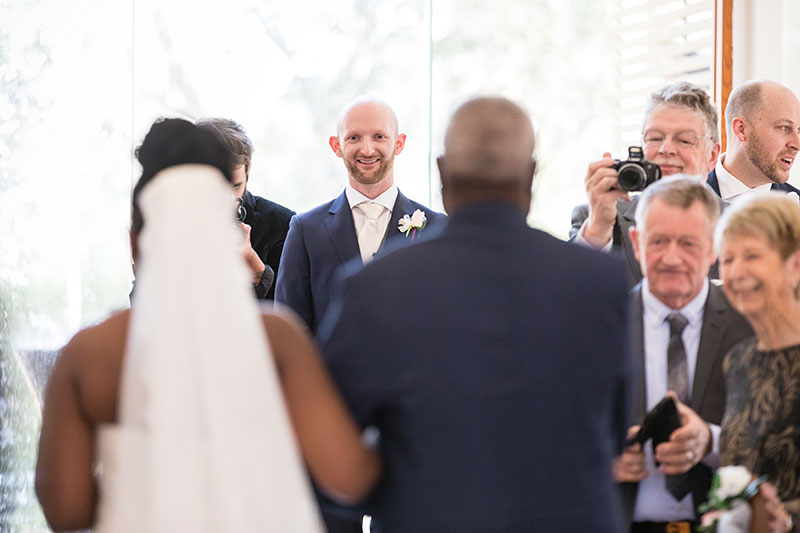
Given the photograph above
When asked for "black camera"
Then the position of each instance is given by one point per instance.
(241, 212)
(637, 172)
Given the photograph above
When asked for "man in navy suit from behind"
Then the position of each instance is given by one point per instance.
(495, 413)
(323, 239)
(762, 121)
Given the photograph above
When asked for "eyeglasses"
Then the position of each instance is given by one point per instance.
(684, 139)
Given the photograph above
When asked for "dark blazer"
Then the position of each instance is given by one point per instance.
(495, 412)
(322, 240)
(713, 182)
(269, 223)
(723, 328)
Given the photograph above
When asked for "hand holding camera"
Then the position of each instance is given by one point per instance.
(608, 181)
(604, 193)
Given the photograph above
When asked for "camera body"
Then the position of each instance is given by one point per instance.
(637, 172)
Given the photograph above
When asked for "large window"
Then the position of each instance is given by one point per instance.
(82, 81)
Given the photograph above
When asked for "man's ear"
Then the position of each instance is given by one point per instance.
(739, 129)
(713, 156)
(446, 197)
(400, 143)
(532, 173)
(634, 234)
(333, 141)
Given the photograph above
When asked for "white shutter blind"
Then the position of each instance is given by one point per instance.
(660, 41)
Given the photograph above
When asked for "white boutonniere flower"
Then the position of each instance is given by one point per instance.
(732, 481)
(730, 485)
(413, 223)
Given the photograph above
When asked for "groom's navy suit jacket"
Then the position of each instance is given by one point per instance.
(499, 407)
(322, 240)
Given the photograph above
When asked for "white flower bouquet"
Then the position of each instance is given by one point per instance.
(730, 486)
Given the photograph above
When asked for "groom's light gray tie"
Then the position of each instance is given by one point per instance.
(371, 234)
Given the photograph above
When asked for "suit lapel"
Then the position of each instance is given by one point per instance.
(341, 229)
(715, 320)
(402, 206)
(625, 220)
(713, 182)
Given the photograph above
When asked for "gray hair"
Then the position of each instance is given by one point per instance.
(679, 192)
(688, 96)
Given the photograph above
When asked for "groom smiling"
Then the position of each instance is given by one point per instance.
(358, 221)
(355, 224)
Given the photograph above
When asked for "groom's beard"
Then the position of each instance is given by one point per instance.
(373, 176)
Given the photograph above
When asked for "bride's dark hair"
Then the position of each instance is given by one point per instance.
(175, 141)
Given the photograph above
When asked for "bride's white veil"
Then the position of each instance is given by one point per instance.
(204, 441)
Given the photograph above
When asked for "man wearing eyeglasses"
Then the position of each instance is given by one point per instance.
(762, 120)
(679, 134)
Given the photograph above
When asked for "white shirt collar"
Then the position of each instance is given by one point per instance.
(729, 186)
(387, 198)
(656, 312)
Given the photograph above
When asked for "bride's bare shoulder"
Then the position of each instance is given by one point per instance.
(106, 336)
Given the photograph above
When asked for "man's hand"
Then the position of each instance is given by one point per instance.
(250, 256)
(630, 467)
(687, 445)
(603, 191)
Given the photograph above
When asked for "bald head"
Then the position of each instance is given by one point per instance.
(488, 154)
(746, 100)
(380, 107)
(763, 124)
(489, 139)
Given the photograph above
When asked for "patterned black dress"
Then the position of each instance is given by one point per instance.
(761, 427)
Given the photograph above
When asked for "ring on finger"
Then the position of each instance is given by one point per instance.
(689, 455)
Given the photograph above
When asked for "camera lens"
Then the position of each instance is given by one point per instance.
(631, 177)
(241, 212)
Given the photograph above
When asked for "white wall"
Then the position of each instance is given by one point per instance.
(766, 44)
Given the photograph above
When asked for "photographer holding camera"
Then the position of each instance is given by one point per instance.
(679, 134)
(264, 223)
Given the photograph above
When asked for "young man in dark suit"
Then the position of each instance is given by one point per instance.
(495, 412)
(265, 223)
(356, 224)
(762, 120)
(323, 239)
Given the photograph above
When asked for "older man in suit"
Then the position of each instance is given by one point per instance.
(359, 221)
(679, 134)
(762, 120)
(684, 326)
(494, 412)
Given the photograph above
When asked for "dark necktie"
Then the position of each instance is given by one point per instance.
(677, 370)
(678, 381)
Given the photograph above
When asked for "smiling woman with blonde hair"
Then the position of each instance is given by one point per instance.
(758, 240)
